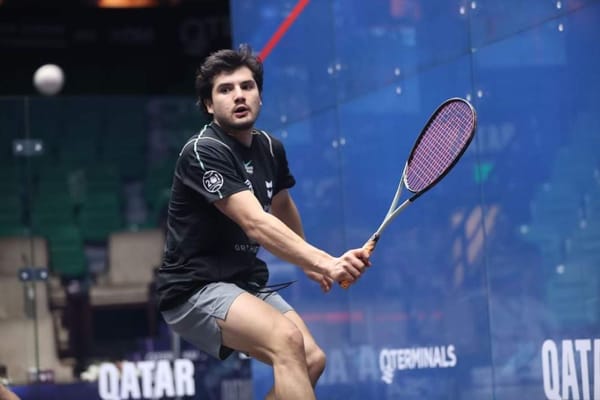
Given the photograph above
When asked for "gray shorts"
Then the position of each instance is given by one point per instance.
(196, 319)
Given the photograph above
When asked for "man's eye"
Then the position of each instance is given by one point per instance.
(224, 90)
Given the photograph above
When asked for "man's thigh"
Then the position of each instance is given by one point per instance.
(251, 325)
(196, 319)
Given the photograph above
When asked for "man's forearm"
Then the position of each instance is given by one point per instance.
(271, 233)
(283, 242)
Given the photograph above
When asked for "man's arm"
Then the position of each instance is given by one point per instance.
(275, 236)
(284, 208)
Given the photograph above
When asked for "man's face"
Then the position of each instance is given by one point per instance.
(235, 102)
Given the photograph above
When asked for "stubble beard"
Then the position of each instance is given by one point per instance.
(239, 126)
(231, 125)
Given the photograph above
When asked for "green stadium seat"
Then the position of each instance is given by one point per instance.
(125, 140)
(128, 153)
(66, 248)
(102, 178)
(100, 215)
(11, 215)
(53, 178)
(158, 181)
(51, 210)
(47, 117)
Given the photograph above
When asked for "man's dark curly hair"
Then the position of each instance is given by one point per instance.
(226, 61)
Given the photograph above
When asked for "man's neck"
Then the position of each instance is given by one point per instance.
(242, 136)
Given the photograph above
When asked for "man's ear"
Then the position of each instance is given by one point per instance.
(208, 104)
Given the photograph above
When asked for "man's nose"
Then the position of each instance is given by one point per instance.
(238, 93)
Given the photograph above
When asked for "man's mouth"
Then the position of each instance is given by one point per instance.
(241, 111)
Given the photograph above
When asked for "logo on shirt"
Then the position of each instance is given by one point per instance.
(249, 167)
(212, 181)
(269, 185)
(249, 184)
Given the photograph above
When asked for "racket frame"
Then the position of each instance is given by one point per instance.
(456, 158)
(394, 211)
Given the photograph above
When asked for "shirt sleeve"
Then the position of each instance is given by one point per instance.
(285, 179)
(210, 170)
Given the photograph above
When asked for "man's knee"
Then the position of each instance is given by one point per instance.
(289, 339)
(316, 360)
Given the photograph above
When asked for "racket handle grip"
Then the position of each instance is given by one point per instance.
(370, 247)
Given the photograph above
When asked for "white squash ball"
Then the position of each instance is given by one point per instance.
(49, 79)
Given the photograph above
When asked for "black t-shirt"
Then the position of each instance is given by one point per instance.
(202, 244)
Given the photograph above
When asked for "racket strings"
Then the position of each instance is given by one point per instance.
(442, 142)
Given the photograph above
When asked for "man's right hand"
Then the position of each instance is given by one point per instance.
(350, 266)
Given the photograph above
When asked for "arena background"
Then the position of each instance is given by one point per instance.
(486, 288)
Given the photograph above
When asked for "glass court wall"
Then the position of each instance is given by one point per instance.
(487, 286)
